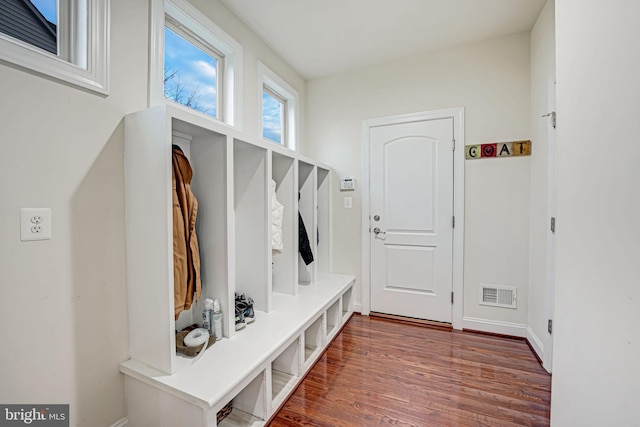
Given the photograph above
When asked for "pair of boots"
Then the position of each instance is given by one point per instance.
(244, 311)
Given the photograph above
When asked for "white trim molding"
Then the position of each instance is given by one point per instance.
(457, 114)
(495, 327)
(121, 423)
(357, 307)
(535, 343)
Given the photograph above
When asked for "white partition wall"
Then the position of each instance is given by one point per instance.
(285, 261)
(323, 215)
(306, 207)
(252, 231)
(149, 239)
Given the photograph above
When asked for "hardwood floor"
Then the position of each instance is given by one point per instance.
(383, 372)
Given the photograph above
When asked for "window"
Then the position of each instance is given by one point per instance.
(273, 116)
(191, 70)
(198, 65)
(279, 108)
(64, 39)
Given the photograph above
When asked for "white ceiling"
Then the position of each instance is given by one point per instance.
(323, 37)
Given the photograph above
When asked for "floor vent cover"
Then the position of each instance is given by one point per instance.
(498, 296)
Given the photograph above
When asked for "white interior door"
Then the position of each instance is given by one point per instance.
(411, 211)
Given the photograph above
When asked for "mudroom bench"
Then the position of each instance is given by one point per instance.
(256, 369)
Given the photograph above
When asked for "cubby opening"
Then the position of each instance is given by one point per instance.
(252, 231)
(285, 371)
(285, 261)
(249, 408)
(313, 340)
(333, 316)
(324, 225)
(347, 305)
(207, 152)
(306, 207)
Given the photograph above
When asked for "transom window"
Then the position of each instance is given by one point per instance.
(198, 65)
(191, 70)
(279, 108)
(274, 116)
(38, 34)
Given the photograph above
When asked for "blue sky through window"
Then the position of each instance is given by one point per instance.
(47, 8)
(272, 115)
(195, 80)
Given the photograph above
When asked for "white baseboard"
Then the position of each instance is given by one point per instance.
(495, 327)
(357, 307)
(121, 423)
(535, 343)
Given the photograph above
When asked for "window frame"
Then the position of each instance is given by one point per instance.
(274, 84)
(203, 45)
(230, 74)
(283, 119)
(83, 55)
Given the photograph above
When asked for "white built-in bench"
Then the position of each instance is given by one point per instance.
(257, 368)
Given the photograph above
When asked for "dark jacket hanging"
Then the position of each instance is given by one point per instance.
(186, 254)
(303, 242)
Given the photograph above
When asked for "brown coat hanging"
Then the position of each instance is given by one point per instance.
(186, 254)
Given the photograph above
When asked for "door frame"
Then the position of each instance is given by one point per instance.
(457, 114)
(547, 363)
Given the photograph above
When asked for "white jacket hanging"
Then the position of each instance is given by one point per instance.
(277, 211)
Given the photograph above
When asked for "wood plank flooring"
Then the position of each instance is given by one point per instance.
(384, 372)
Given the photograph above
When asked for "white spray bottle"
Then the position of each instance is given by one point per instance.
(216, 320)
(206, 315)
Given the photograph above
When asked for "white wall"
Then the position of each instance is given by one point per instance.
(63, 302)
(490, 80)
(596, 378)
(63, 306)
(542, 72)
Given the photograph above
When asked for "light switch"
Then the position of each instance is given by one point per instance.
(348, 202)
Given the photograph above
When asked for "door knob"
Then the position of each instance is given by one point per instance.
(378, 231)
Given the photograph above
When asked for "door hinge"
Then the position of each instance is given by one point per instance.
(550, 325)
(451, 297)
(453, 221)
(453, 145)
(553, 118)
(553, 224)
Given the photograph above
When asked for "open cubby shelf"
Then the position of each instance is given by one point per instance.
(299, 308)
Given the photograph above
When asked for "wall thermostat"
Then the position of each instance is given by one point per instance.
(347, 183)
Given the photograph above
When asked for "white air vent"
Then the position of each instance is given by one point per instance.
(498, 296)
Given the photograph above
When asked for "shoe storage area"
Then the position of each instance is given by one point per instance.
(299, 305)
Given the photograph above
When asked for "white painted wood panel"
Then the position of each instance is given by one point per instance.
(306, 207)
(285, 262)
(253, 232)
(149, 243)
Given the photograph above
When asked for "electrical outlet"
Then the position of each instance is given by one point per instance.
(35, 224)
